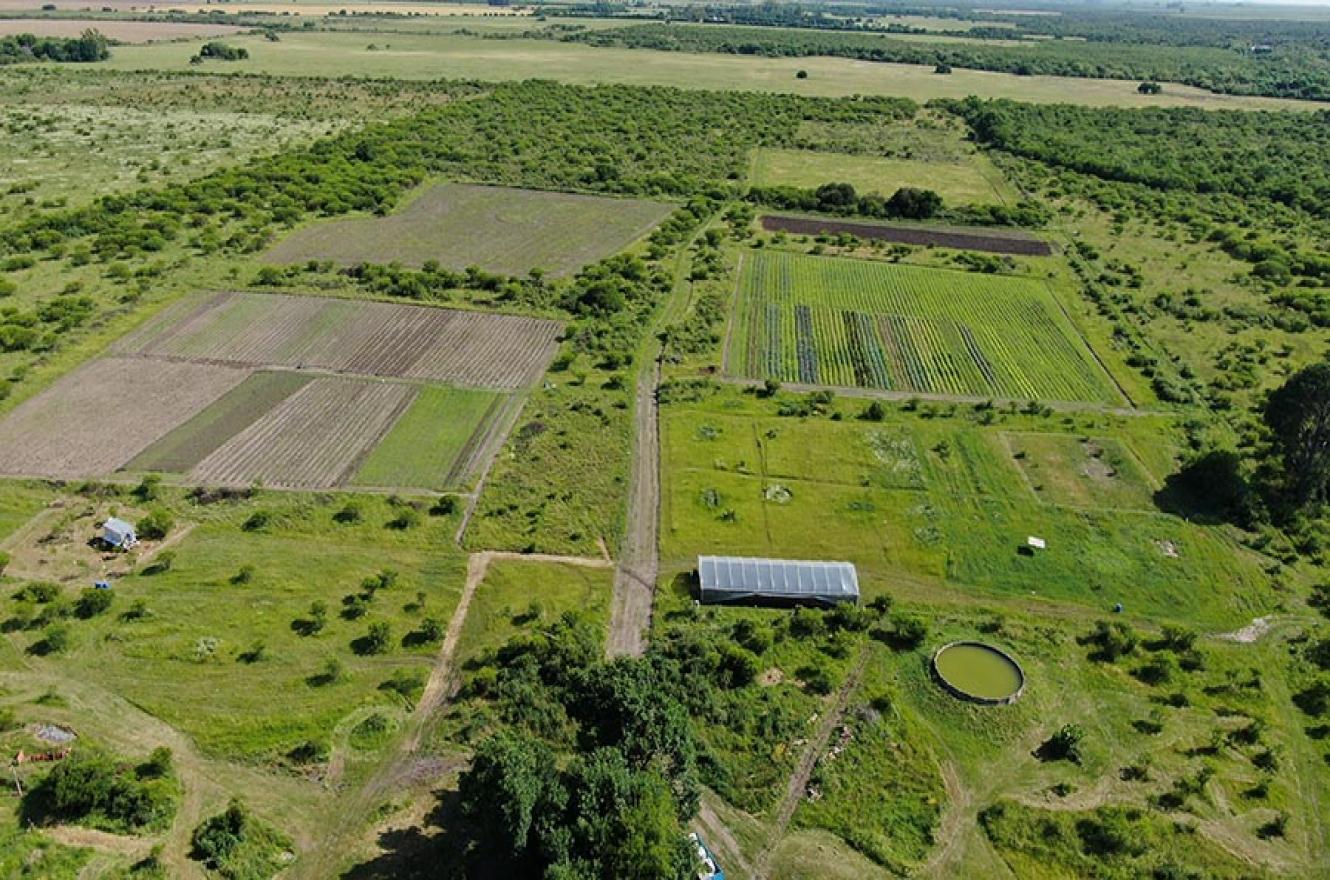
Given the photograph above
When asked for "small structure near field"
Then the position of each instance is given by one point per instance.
(738, 579)
(1035, 543)
(119, 534)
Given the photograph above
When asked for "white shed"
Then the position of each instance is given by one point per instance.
(119, 533)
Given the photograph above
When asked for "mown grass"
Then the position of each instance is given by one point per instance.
(970, 181)
(940, 501)
(422, 450)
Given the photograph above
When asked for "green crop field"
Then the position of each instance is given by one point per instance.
(852, 323)
(434, 443)
(500, 230)
(971, 180)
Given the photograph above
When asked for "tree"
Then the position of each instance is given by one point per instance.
(510, 779)
(1065, 745)
(835, 196)
(1149, 88)
(1298, 416)
(911, 203)
(377, 639)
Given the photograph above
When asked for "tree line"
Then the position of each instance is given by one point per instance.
(90, 46)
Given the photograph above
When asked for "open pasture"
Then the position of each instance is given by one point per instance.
(852, 323)
(361, 338)
(972, 180)
(933, 506)
(1082, 471)
(511, 231)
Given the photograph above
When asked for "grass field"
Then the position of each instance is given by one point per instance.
(970, 181)
(938, 506)
(829, 321)
(436, 442)
(518, 596)
(510, 231)
(465, 57)
(1082, 471)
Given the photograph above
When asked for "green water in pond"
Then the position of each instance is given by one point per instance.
(979, 671)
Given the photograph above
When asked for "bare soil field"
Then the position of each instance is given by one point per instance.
(97, 418)
(994, 241)
(364, 338)
(119, 31)
(317, 438)
(499, 229)
(181, 449)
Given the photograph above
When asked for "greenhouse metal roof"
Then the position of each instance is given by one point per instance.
(736, 578)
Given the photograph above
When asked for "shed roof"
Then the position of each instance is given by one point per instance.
(786, 578)
(118, 526)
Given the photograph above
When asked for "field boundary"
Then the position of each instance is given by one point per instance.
(993, 240)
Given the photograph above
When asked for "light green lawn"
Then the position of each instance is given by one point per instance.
(972, 181)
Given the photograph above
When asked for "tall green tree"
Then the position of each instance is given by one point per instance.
(1298, 416)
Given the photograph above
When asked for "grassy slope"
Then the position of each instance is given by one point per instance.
(941, 503)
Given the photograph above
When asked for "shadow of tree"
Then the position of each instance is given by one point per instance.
(439, 848)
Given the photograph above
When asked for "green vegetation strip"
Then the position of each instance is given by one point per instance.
(430, 445)
(196, 439)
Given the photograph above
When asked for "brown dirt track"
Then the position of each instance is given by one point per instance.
(100, 416)
(991, 241)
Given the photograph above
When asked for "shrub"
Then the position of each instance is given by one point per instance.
(93, 602)
(90, 787)
(1065, 745)
(376, 639)
(257, 522)
(155, 525)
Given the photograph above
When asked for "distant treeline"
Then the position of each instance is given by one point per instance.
(1293, 71)
(92, 46)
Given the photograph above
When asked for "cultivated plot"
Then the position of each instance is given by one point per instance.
(100, 416)
(316, 437)
(363, 338)
(511, 231)
(854, 323)
(293, 392)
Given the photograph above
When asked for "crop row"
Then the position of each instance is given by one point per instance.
(868, 324)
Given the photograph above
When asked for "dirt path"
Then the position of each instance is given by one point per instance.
(635, 578)
(817, 745)
(404, 764)
(720, 840)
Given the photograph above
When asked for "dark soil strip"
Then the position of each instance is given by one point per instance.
(993, 243)
(858, 358)
(804, 347)
(180, 450)
(395, 350)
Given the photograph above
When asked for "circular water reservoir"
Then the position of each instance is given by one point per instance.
(979, 673)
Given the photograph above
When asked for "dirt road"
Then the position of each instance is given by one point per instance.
(817, 745)
(635, 578)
